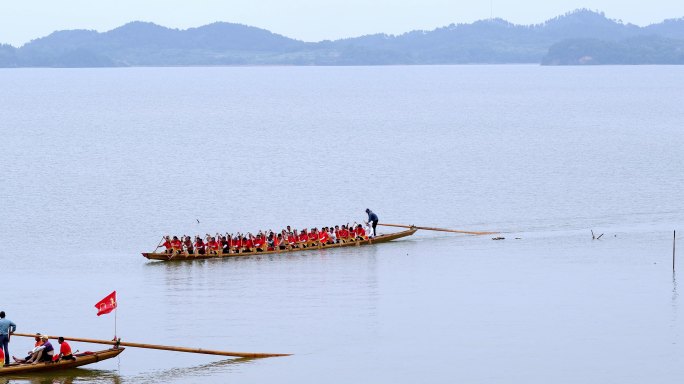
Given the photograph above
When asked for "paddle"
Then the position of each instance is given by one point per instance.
(440, 229)
(166, 347)
(160, 243)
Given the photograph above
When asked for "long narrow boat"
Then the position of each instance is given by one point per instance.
(81, 359)
(378, 239)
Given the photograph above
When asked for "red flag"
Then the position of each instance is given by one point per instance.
(107, 304)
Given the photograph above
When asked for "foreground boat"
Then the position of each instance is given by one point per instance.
(81, 359)
(378, 239)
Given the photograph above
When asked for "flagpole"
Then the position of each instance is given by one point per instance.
(115, 323)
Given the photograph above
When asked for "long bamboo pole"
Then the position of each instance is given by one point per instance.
(439, 229)
(165, 347)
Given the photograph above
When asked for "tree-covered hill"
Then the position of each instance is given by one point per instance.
(635, 50)
(556, 41)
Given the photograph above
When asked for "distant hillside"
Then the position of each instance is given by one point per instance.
(635, 50)
(486, 41)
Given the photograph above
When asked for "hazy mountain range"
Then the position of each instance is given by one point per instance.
(578, 37)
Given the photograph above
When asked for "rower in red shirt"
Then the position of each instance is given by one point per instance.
(237, 244)
(344, 234)
(360, 232)
(292, 239)
(64, 351)
(213, 245)
(167, 244)
(176, 245)
(188, 245)
(259, 243)
(313, 237)
(303, 238)
(229, 242)
(248, 244)
(324, 237)
(200, 246)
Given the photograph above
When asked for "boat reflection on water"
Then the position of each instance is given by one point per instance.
(75, 375)
(204, 370)
(80, 375)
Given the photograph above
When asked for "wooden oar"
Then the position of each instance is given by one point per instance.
(165, 347)
(159, 245)
(439, 229)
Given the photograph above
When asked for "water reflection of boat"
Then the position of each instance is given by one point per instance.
(67, 376)
(370, 241)
(81, 359)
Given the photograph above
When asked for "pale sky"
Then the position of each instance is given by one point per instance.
(309, 20)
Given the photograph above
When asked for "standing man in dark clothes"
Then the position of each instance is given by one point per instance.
(6, 329)
(373, 219)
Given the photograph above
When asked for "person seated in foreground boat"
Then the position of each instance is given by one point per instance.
(271, 241)
(48, 350)
(337, 234)
(333, 235)
(344, 234)
(225, 245)
(35, 349)
(167, 245)
(64, 351)
(187, 242)
(303, 239)
(42, 353)
(235, 244)
(34, 354)
(369, 230)
(324, 236)
(200, 246)
(292, 239)
(360, 233)
(281, 243)
(176, 245)
(313, 238)
(213, 246)
(259, 243)
(248, 244)
(283, 237)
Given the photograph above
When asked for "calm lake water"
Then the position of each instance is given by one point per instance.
(97, 164)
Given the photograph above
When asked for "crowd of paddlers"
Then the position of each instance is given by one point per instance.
(285, 240)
